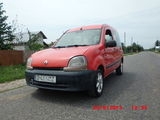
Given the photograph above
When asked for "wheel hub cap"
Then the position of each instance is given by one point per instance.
(99, 84)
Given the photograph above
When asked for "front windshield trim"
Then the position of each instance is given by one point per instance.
(79, 45)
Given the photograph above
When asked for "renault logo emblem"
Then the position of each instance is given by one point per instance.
(45, 62)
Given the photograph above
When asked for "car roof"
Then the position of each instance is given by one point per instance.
(87, 27)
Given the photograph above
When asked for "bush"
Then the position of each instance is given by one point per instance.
(35, 46)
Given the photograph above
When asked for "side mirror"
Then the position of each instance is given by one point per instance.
(111, 43)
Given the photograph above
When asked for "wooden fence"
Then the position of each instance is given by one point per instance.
(13, 57)
(10, 57)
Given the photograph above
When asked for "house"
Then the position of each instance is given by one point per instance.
(157, 48)
(21, 39)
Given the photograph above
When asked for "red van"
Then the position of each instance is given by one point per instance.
(80, 60)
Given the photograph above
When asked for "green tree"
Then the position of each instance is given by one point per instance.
(32, 43)
(157, 43)
(124, 48)
(129, 49)
(134, 48)
(6, 32)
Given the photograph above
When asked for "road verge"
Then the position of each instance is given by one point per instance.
(12, 85)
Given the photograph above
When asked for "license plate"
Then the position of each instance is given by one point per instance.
(45, 78)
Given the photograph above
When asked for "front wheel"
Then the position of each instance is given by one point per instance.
(97, 86)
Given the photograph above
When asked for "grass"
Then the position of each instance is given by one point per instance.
(157, 52)
(10, 73)
(130, 53)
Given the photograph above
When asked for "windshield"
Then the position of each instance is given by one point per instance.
(79, 38)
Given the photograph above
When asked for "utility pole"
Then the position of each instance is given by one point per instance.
(131, 44)
(124, 42)
(124, 38)
(131, 40)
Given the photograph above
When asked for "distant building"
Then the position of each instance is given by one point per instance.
(21, 39)
(157, 48)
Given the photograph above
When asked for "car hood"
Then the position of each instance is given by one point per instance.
(56, 57)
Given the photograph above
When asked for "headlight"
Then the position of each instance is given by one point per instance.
(77, 63)
(29, 63)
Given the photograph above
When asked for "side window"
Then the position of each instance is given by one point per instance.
(108, 35)
(118, 39)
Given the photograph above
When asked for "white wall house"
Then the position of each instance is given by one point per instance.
(157, 48)
(21, 39)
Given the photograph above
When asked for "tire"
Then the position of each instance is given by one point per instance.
(97, 85)
(119, 70)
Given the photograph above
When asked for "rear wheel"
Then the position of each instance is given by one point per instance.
(119, 70)
(97, 86)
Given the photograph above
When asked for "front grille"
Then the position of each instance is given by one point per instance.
(48, 68)
(49, 85)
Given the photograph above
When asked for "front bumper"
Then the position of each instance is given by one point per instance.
(67, 81)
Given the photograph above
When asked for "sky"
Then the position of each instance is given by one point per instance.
(140, 19)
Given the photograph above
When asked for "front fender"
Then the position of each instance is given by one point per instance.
(95, 58)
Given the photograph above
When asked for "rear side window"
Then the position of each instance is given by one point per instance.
(117, 38)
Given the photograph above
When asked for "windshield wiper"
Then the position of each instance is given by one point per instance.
(60, 47)
(69, 46)
(75, 45)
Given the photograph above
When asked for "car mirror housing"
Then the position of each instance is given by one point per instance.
(111, 43)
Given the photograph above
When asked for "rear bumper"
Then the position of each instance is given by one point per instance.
(66, 81)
